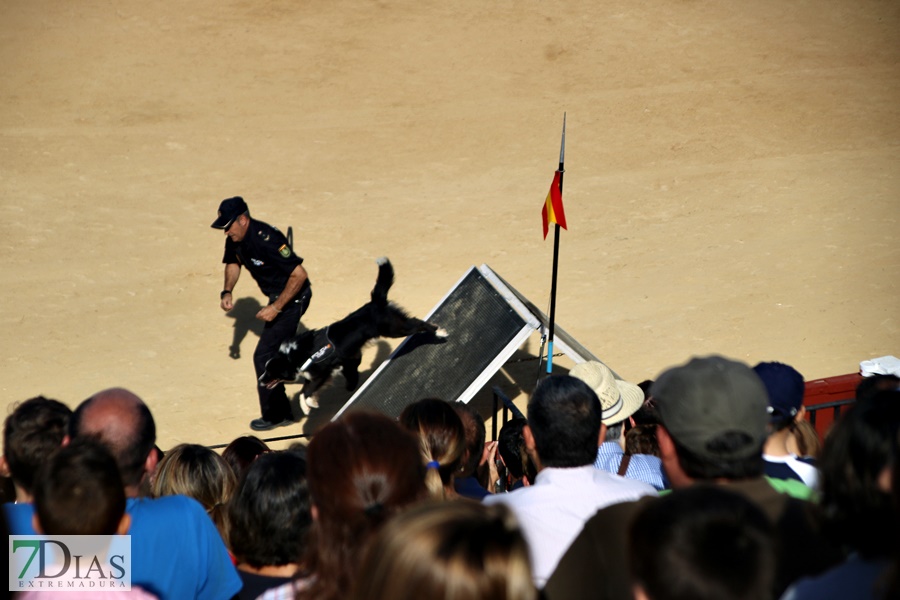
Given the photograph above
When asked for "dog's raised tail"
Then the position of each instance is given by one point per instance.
(384, 282)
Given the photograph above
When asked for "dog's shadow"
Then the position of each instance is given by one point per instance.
(334, 396)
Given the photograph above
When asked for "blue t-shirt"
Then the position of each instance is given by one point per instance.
(469, 487)
(18, 518)
(176, 550)
(856, 578)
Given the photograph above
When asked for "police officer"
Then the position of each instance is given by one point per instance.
(280, 275)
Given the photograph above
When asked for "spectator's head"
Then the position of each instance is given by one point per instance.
(199, 473)
(122, 421)
(647, 414)
(362, 469)
(511, 447)
(856, 482)
(269, 514)
(298, 449)
(242, 451)
(80, 492)
(785, 388)
(448, 551)
(872, 385)
(473, 425)
(641, 439)
(714, 418)
(32, 433)
(564, 422)
(614, 432)
(645, 386)
(702, 543)
(442, 439)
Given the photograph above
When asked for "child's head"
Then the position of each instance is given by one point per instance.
(448, 550)
(702, 542)
(31, 433)
(79, 492)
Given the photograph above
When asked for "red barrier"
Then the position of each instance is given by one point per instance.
(824, 391)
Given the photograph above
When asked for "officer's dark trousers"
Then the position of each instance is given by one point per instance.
(274, 403)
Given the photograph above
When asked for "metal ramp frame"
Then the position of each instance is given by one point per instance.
(487, 321)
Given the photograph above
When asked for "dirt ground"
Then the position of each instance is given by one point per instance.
(732, 179)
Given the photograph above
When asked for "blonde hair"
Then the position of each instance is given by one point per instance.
(198, 472)
(804, 440)
(442, 438)
(453, 550)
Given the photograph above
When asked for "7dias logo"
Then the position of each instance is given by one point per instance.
(70, 563)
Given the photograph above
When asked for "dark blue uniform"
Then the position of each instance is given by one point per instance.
(265, 252)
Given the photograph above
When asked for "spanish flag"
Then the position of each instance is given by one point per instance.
(553, 207)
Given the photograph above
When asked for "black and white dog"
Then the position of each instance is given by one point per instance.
(314, 356)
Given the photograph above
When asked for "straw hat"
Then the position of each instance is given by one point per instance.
(619, 399)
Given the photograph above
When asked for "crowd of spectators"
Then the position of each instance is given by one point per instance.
(707, 482)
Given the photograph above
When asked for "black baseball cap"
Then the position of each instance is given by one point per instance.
(229, 210)
(786, 388)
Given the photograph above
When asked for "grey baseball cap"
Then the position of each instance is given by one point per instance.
(710, 396)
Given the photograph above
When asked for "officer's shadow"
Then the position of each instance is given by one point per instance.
(245, 321)
(244, 315)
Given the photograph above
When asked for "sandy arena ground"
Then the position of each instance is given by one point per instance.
(732, 179)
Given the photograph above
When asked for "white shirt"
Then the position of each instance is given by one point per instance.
(553, 510)
(807, 472)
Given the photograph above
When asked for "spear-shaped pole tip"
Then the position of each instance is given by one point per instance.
(562, 145)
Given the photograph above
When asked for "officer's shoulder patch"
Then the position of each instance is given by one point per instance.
(284, 251)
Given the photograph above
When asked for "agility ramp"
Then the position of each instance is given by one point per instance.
(486, 321)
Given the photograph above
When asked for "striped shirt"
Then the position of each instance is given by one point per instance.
(642, 467)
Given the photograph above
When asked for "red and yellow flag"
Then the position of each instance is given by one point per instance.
(553, 207)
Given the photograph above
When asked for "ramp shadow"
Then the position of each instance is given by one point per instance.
(516, 379)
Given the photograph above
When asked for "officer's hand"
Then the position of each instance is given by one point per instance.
(268, 313)
(226, 303)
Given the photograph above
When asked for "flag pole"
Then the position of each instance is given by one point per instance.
(552, 324)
